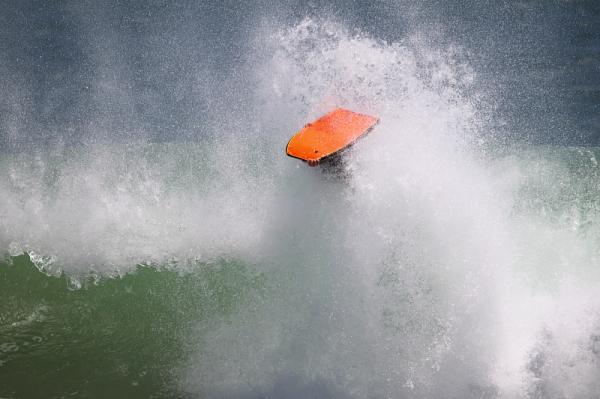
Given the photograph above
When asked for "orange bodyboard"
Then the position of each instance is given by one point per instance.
(329, 134)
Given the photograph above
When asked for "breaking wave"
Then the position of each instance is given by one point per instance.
(442, 265)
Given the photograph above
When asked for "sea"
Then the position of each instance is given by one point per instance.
(157, 242)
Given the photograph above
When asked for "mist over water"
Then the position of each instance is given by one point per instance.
(454, 259)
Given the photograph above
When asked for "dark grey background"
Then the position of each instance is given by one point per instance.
(122, 70)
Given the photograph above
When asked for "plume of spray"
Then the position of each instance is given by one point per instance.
(395, 268)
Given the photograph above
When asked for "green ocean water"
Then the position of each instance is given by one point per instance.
(114, 337)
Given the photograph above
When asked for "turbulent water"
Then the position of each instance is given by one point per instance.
(157, 242)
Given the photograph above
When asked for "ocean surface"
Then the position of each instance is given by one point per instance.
(156, 241)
